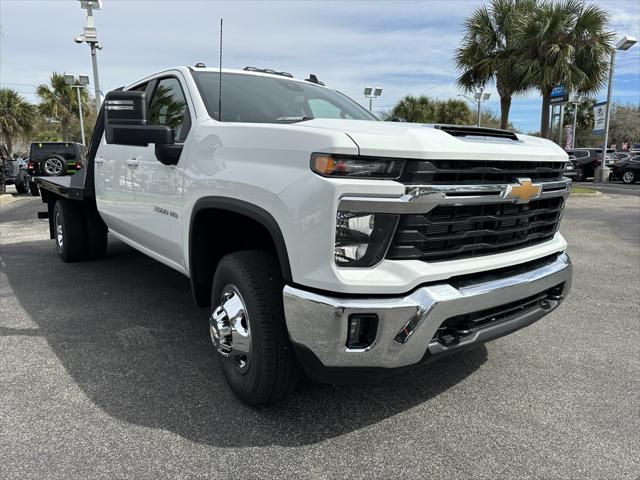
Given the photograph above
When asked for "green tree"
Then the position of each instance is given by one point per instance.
(58, 101)
(16, 117)
(420, 109)
(490, 51)
(564, 43)
(423, 109)
(454, 112)
(624, 126)
(490, 119)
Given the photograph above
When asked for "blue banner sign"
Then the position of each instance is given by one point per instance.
(559, 94)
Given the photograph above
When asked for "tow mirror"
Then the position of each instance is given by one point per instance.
(126, 121)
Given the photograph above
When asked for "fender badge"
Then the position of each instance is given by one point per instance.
(524, 191)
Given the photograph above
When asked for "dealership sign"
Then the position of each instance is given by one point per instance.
(599, 114)
(559, 94)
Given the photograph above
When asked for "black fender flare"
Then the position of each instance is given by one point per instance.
(249, 210)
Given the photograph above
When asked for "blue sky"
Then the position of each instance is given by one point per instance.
(405, 47)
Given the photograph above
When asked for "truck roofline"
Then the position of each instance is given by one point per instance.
(186, 70)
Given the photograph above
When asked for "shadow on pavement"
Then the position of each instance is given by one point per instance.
(127, 332)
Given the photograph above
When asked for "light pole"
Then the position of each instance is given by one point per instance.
(372, 93)
(602, 172)
(82, 81)
(90, 37)
(576, 102)
(478, 98)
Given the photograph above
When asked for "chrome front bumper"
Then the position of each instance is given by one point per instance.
(318, 323)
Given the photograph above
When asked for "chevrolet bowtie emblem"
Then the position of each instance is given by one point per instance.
(523, 192)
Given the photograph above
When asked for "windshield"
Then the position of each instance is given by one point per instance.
(266, 99)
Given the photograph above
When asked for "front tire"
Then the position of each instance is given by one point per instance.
(628, 177)
(68, 230)
(580, 176)
(248, 329)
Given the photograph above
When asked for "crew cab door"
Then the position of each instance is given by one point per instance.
(156, 189)
(139, 196)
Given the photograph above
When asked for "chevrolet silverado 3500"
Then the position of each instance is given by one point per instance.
(323, 239)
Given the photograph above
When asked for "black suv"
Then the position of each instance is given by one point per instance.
(585, 161)
(55, 159)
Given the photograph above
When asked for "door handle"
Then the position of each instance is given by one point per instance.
(99, 160)
(132, 162)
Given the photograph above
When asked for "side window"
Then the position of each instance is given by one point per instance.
(169, 107)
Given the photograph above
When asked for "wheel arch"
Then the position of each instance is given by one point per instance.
(202, 261)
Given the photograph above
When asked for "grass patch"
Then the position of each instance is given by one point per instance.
(575, 189)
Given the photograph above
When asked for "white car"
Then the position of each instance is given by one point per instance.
(322, 239)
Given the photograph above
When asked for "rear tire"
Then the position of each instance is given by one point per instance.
(22, 184)
(68, 230)
(269, 371)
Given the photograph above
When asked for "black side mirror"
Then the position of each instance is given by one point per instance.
(126, 121)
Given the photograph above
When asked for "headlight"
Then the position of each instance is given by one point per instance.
(337, 166)
(362, 239)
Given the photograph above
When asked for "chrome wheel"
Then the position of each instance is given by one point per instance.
(53, 166)
(628, 176)
(229, 328)
(59, 234)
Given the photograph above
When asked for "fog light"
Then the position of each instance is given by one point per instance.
(362, 330)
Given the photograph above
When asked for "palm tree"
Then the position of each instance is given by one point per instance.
(489, 51)
(564, 43)
(454, 112)
(16, 117)
(59, 101)
(416, 109)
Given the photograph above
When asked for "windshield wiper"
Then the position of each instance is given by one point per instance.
(293, 119)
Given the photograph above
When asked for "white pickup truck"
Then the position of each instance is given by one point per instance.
(323, 239)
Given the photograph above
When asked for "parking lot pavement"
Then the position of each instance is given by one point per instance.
(614, 188)
(106, 372)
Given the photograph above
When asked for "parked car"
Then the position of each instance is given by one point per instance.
(587, 159)
(56, 159)
(570, 169)
(323, 239)
(4, 159)
(14, 171)
(627, 170)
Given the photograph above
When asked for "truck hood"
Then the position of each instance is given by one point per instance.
(420, 141)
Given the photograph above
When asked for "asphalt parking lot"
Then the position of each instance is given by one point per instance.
(106, 371)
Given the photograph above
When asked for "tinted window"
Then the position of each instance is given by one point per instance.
(581, 153)
(266, 99)
(169, 107)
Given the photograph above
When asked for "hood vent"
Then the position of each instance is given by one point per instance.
(477, 133)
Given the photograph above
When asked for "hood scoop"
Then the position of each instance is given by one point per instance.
(476, 133)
